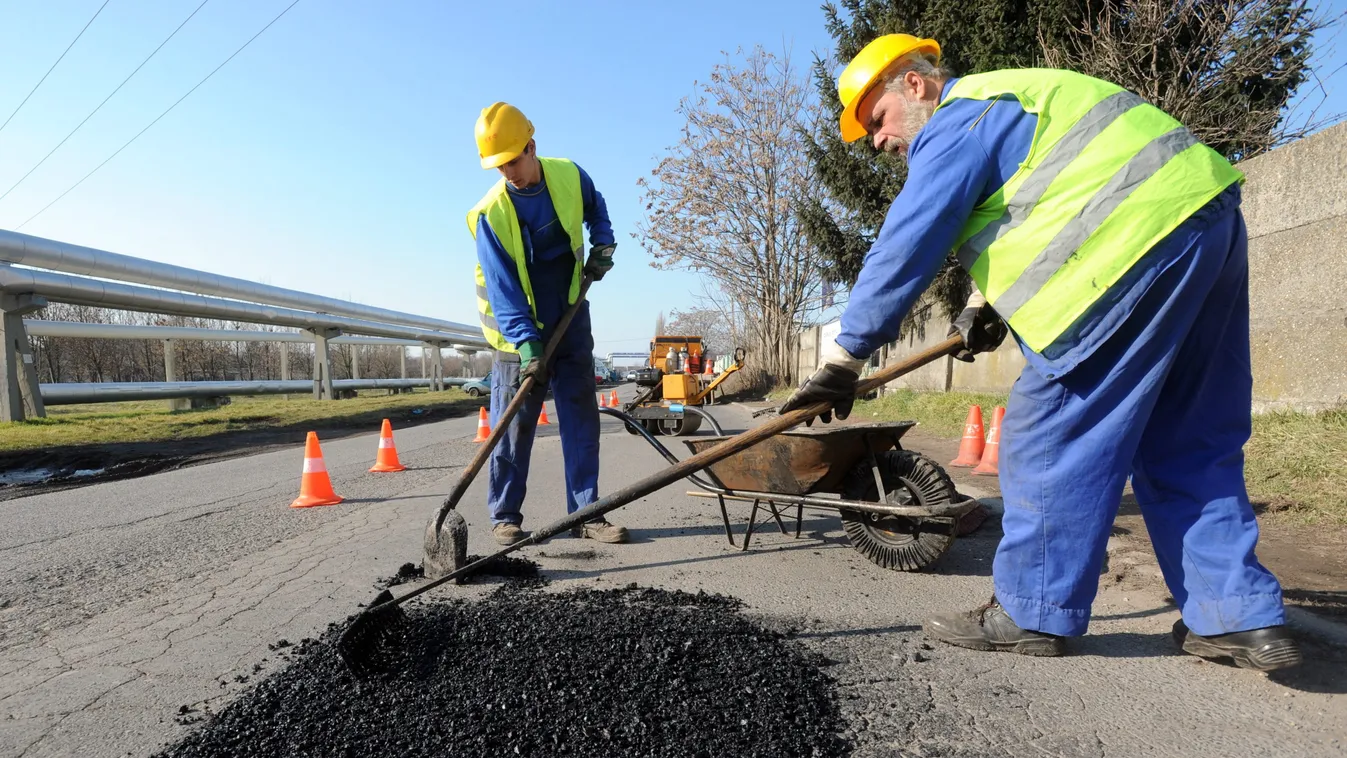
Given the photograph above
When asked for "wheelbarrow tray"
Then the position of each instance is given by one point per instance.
(801, 461)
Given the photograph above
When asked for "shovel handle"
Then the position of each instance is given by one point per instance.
(511, 410)
(692, 465)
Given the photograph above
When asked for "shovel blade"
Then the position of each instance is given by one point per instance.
(446, 548)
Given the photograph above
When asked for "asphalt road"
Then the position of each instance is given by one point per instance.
(122, 602)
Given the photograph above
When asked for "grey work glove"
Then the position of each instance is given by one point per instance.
(834, 383)
(531, 362)
(600, 261)
(981, 329)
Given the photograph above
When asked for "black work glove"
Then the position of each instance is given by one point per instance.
(531, 362)
(600, 261)
(981, 328)
(833, 384)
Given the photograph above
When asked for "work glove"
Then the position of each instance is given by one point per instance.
(600, 261)
(531, 362)
(834, 383)
(979, 326)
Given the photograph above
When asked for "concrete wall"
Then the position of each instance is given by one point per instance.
(1295, 206)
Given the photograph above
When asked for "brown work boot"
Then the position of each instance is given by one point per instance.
(599, 529)
(1266, 649)
(508, 534)
(991, 628)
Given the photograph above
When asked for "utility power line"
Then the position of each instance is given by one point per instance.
(105, 101)
(160, 116)
(54, 65)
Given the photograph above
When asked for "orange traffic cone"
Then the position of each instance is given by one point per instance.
(991, 456)
(542, 418)
(387, 458)
(315, 487)
(603, 400)
(483, 428)
(612, 400)
(970, 447)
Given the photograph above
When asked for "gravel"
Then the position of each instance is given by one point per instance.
(628, 672)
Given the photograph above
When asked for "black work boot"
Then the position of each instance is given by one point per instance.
(1266, 649)
(990, 628)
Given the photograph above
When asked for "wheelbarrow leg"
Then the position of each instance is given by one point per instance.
(725, 517)
(777, 515)
(752, 517)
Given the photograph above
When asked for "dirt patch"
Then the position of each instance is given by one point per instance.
(32, 472)
(584, 673)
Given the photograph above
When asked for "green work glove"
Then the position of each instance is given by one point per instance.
(600, 261)
(531, 362)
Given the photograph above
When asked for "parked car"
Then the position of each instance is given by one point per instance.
(478, 387)
(631, 375)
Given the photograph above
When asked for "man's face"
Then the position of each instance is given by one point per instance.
(892, 119)
(524, 171)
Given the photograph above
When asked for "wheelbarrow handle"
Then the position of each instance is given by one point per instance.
(526, 388)
(692, 465)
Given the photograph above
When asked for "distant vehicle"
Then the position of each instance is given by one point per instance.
(631, 375)
(478, 387)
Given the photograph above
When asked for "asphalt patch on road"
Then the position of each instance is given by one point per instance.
(625, 672)
(520, 572)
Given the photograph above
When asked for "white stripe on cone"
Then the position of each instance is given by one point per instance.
(314, 466)
(385, 442)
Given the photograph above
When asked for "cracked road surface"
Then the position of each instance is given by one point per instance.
(121, 603)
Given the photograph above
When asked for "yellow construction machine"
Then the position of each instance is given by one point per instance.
(676, 376)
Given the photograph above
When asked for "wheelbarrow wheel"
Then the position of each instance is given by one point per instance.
(898, 542)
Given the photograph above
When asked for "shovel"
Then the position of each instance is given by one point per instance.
(361, 643)
(446, 540)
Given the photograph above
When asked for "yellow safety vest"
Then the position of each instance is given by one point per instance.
(1106, 178)
(563, 185)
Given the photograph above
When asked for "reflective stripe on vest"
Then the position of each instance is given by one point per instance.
(1106, 178)
(563, 186)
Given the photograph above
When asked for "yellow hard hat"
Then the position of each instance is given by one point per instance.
(864, 70)
(502, 134)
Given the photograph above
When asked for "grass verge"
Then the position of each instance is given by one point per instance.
(151, 421)
(1295, 464)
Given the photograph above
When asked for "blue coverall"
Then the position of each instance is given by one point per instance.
(1154, 381)
(551, 265)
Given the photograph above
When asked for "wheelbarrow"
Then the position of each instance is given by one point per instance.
(842, 469)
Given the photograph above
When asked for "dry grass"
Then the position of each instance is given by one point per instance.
(941, 413)
(149, 421)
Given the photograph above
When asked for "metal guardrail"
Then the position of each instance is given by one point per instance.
(113, 392)
(136, 284)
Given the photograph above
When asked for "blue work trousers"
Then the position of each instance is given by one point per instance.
(1166, 398)
(573, 389)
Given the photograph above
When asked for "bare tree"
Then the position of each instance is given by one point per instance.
(722, 201)
(1224, 68)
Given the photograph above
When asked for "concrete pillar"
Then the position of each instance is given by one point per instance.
(468, 355)
(402, 353)
(423, 362)
(285, 363)
(20, 395)
(436, 366)
(171, 375)
(322, 363)
(355, 361)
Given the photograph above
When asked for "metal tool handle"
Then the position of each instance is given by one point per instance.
(692, 465)
(511, 410)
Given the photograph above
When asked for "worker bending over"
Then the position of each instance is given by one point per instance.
(1111, 241)
(530, 255)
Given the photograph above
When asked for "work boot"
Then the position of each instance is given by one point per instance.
(1266, 649)
(507, 534)
(990, 628)
(599, 529)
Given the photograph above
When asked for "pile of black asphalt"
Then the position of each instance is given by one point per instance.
(523, 671)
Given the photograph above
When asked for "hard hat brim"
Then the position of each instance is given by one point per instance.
(500, 159)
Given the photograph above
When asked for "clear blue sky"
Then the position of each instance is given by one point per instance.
(335, 154)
